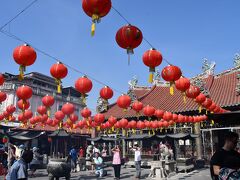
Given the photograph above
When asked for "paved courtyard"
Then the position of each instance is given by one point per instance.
(128, 173)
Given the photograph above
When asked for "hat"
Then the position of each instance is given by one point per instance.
(22, 146)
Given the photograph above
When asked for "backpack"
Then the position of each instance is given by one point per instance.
(229, 174)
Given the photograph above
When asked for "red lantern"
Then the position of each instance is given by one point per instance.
(48, 101)
(106, 93)
(5, 139)
(137, 106)
(171, 74)
(11, 109)
(112, 120)
(182, 84)
(140, 125)
(28, 114)
(154, 124)
(59, 115)
(68, 109)
(73, 117)
(49, 139)
(159, 113)
(83, 85)
(86, 113)
(42, 110)
(174, 117)
(181, 118)
(192, 92)
(129, 37)
(99, 118)
(217, 109)
(167, 116)
(59, 71)
(148, 111)
(207, 103)
(124, 101)
(1, 117)
(147, 124)
(3, 97)
(1, 79)
(212, 107)
(24, 92)
(23, 105)
(152, 58)
(96, 9)
(24, 55)
(132, 124)
(200, 99)
(123, 123)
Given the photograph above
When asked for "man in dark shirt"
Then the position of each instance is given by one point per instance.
(226, 157)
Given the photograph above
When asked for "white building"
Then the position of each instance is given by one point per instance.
(41, 86)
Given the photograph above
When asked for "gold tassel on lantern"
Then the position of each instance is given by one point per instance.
(95, 18)
(150, 79)
(171, 88)
(98, 128)
(58, 82)
(21, 72)
(113, 129)
(200, 109)
(184, 98)
(48, 112)
(84, 99)
(212, 122)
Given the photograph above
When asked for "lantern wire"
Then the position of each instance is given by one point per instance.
(125, 19)
(56, 59)
(28, 6)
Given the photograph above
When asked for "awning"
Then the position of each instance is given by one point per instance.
(139, 137)
(25, 135)
(104, 139)
(59, 133)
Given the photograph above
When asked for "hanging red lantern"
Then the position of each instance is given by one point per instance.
(59, 71)
(192, 92)
(200, 99)
(24, 92)
(73, 117)
(167, 116)
(154, 124)
(182, 84)
(152, 58)
(49, 139)
(148, 111)
(23, 105)
(43, 118)
(124, 101)
(28, 114)
(171, 74)
(137, 106)
(59, 115)
(147, 123)
(174, 117)
(99, 118)
(24, 55)
(106, 93)
(212, 107)
(41, 110)
(1, 117)
(11, 109)
(140, 125)
(132, 124)
(83, 85)
(129, 37)
(123, 123)
(216, 109)
(1, 79)
(207, 103)
(48, 101)
(165, 124)
(86, 113)
(4, 139)
(68, 108)
(112, 120)
(96, 9)
(3, 97)
(32, 121)
(181, 118)
(159, 113)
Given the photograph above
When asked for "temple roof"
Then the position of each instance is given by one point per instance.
(221, 89)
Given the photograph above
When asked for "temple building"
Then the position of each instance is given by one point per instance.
(223, 88)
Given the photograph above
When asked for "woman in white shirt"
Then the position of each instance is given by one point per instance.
(137, 159)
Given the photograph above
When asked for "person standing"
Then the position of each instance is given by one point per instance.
(35, 163)
(98, 161)
(137, 159)
(19, 168)
(226, 157)
(116, 161)
(104, 151)
(73, 156)
(81, 152)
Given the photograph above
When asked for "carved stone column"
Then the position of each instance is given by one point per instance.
(198, 141)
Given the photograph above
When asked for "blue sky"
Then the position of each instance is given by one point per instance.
(184, 31)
